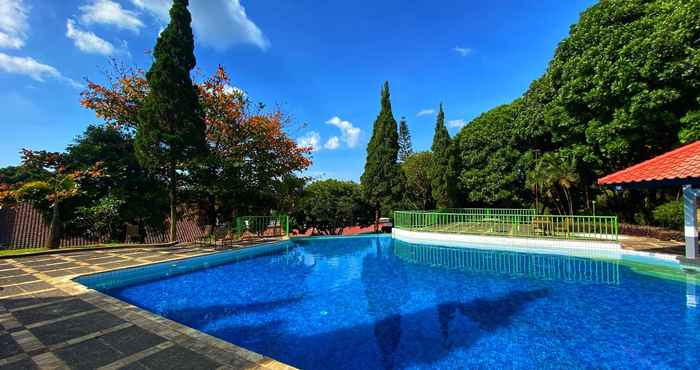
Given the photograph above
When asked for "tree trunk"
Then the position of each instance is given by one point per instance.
(54, 239)
(569, 201)
(211, 211)
(173, 201)
(376, 220)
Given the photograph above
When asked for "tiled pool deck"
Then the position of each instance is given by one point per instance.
(47, 321)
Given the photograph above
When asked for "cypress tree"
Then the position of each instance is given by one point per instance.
(444, 169)
(170, 129)
(382, 180)
(405, 146)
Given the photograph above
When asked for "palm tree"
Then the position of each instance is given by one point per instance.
(553, 174)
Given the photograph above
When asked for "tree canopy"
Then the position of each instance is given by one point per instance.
(382, 180)
(405, 145)
(330, 206)
(416, 169)
(170, 127)
(624, 86)
(443, 171)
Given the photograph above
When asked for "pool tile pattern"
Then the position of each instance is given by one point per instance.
(47, 321)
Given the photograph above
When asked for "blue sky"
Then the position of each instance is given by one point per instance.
(322, 62)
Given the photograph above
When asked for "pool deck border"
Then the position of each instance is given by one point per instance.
(57, 288)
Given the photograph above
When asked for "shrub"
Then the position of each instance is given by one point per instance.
(669, 214)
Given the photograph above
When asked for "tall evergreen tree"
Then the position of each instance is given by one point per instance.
(382, 180)
(405, 146)
(444, 169)
(170, 128)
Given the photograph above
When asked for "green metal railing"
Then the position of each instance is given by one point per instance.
(513, 224)
(489, 211)
(262, 226)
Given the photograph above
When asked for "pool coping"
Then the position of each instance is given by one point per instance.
(226, 354)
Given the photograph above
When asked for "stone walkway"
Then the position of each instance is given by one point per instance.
(640, 243)
(47, 321)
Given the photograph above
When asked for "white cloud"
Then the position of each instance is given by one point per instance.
(462, 51)
(35, 70)
(456, 123)
(350, 134)
(88, 41)
(311, 140)
(332, 143)
(217, 23)
(426, 112)
(13, 23)
(110, 13)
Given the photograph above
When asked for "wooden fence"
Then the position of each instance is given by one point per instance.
(24, 227)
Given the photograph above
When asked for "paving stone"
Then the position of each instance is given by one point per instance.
(57, 266)
(133, 366)
(8, 346)
(178, 358)
(108, 259)
(40, 262)
(23, 364)
(131, 340)
(116, 264)
(14, 303)
(90, 354)
(35, 287)
(11, 272)
(81, 270)
(19, 279)
(9, 290)
(52, 311)
(58, 273)
(64, 330)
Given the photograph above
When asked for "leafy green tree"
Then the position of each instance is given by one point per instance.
(12, 175)
(416, 168)
(170, 128)
(443, 172)
(102, 218)
(493, 166)
(123, 178)
(330, 206)
(405, 146)
(382, 180)
(621, 88)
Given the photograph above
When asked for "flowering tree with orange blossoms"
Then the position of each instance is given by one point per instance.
(249, 151)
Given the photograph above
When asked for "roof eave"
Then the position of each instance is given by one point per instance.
(649, 184)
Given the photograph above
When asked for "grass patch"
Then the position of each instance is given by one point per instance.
(42, 250)
(19, 252)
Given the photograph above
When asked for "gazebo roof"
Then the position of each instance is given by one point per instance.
(680, 166)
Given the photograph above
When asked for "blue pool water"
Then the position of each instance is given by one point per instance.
(378, 303)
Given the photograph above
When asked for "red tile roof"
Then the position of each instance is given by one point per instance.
(674, 167)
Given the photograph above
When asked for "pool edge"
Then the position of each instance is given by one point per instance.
(167, 328)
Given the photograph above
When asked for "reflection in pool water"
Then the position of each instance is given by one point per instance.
(534, 266)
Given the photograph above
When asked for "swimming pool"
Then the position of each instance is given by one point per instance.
(380, 303)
